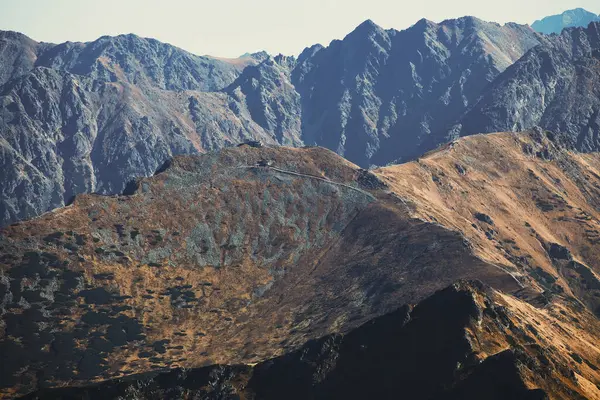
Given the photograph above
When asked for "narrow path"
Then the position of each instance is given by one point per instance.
(283, 171)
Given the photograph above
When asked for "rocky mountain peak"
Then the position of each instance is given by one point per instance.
(424, 24)
(198, 254)
(309, 52)
(375, 97)
(367, 30)
(12, 35)
(18, 54)
(258, 56)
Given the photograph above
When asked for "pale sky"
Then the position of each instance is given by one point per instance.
(229, 28)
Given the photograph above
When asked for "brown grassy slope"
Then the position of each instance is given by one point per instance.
(535, 194)
(214, 260)
(463, 342)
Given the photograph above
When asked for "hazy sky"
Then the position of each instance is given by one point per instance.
(229, 28)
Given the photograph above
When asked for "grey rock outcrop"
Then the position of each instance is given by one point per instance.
(265, 94)
(555, 86)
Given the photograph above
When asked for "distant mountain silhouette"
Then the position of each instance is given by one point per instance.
(569, 19)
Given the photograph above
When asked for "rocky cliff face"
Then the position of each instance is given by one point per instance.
(464, 342)
(577, 18)
(142, 62)
(379, 96)
(18, 55)
(266, 94)
(81, 118)
(556, 86)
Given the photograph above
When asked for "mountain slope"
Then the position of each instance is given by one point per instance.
(577, 18)
(65, 134)
(246, 254)
(378, 95)
(18, 55)
(215, 260)
(266, 94)
(464, 342)
(523, 203)
(555, 85)
(139, 61)
(81, 118)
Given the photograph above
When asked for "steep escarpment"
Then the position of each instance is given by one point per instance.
(229, 257)
(265, 93)
(65, 134)
(18, 55)
(90, 117)
(464, 342)
(143, 62)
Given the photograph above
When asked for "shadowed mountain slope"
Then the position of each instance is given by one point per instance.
(464, 342)
(91, 117)
(139, 61)
(378, 95)
(246, 254)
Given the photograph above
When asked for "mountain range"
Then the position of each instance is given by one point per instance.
(91, 117)
(409, 214)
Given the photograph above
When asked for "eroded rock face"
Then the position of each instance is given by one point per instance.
(555, 86)
(464, 342)
(266, 94)
(18, 55)
(140, 61)
(65, 134)
(90, 117)
(379, 95)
